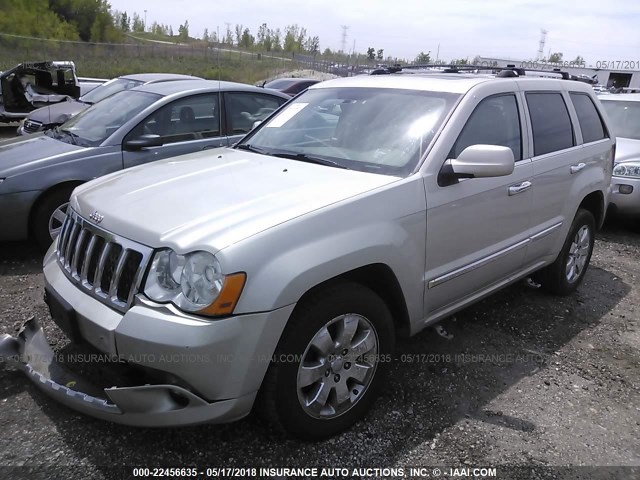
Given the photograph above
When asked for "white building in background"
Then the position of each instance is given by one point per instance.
(623, 73)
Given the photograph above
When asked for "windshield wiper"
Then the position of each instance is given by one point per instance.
(303, 157)
(250, 148)
(72, 136)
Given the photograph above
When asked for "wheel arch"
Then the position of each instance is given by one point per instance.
(68, 184)
(594, 203)
(381, 279)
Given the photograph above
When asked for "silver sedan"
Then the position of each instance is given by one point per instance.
(133, 127)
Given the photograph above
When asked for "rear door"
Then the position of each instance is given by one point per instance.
(243, 109)
(186, 125)
(477, 228)
(569, 144)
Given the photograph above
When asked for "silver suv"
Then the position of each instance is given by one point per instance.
(276, 274)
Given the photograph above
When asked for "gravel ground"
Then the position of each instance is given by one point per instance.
(527, 379)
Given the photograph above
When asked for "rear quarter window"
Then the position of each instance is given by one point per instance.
(588, 117)
(550, 122)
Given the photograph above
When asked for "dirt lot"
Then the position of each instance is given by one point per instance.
(527, 379)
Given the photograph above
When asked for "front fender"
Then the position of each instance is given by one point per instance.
(386, 226)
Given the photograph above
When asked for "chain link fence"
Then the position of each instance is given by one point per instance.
(207, 60)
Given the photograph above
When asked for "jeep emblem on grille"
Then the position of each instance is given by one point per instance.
(96, 217)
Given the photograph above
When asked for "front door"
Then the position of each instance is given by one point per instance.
(477, 228)
(187, 125)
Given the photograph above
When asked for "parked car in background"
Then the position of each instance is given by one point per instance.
(623, 110)
(279, 272)
(53, 115)
(29, 86)
(291, 86)
(38, 172)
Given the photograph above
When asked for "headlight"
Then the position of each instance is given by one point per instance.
(193, 282)
(626, 170)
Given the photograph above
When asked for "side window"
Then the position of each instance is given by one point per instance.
(190, 118)
(589, 118)
(495, 121)
(550, 122)
(244, 109)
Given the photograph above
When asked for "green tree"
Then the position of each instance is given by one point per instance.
(555, 57)
(137, 25)
(579, 60)
(423, 57)
(380, 54)
(34, 19)
(183, 31)
(239, 30)
(247, 40)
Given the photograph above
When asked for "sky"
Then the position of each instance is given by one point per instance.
(597, 30)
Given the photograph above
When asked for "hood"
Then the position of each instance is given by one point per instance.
(212, 199)
(627, 149)
(57, 113)
(33, 151)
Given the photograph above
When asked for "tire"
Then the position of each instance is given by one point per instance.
(559, 278)
(283, 391)
(56, 203)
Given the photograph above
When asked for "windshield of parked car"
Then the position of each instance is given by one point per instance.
(625, 118)
(98, 122)
(109, 88)
(281, 83)
(368, 129)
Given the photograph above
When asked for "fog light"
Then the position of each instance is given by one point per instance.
(625, 189)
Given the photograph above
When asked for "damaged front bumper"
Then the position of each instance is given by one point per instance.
(145, 405)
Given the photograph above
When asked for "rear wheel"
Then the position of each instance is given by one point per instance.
(330, 362)
(49, 216)
(564, 275)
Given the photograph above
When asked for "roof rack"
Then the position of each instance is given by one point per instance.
(503, 72)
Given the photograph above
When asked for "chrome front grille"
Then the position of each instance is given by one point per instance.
(106, 266)
(32, 126)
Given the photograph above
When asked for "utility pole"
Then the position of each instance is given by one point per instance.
(145, 20)
(344, 37)
(543, 39)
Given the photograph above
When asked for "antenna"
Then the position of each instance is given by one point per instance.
(543, 39)
(344, 37)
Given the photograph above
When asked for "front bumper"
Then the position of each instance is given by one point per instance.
(147, 405)
(625, 204)
(209, 371)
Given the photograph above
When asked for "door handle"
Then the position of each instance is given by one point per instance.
(578, 167)
(519, 188)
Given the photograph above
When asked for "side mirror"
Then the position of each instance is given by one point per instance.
(144, 141)
(477, 161)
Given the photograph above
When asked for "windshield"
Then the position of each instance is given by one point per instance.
(281, 83)
(109, 88)
(94, 125)
(624, 117)
(368, 129)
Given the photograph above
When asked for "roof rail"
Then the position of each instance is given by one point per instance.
(508, 71)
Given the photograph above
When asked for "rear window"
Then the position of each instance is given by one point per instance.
(550, 122)
(589, 118)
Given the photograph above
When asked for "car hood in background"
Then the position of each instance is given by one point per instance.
(209, 200)
(34, 151)
(627, 149)
(57, 113)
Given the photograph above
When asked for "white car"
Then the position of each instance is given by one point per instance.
(623, 111)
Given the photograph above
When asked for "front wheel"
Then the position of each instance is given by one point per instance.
(330, 362)
(564, 275)
(49, 216)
